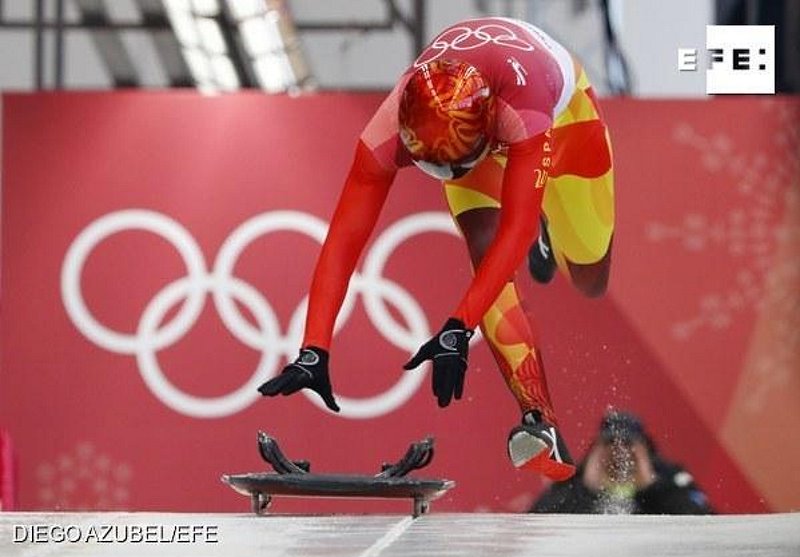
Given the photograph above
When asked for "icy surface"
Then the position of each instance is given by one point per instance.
(431, 535)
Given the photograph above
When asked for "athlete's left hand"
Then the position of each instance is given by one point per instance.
(448, 351)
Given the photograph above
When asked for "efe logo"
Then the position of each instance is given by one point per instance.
(741, 59)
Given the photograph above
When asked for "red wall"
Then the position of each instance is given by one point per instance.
(145, 400)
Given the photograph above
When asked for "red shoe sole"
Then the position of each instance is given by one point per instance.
(543, 464)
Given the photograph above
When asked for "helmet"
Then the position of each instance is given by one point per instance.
(446, 118)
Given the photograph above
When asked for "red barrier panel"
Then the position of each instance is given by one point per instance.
(7, 478)
(157, 247)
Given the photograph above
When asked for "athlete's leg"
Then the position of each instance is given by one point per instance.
(579, 197)
(474, 202)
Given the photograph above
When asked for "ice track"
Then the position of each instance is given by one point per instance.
(451, 535)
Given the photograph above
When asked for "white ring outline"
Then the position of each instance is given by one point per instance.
(205, 407)
(114, 223)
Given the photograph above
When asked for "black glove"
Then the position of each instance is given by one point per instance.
(448, 352)
(308, 371)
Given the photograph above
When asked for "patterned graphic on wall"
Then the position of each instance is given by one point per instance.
(84, 479)
(768, 394)
(755, 234)
(725, 254)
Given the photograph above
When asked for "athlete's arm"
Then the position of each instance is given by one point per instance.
(356, 213)
(523, 189)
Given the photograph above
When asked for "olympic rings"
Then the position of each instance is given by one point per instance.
(466, 38)
(152, 336)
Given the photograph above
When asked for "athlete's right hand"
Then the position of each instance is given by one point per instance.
(308, 371)
(447, 351)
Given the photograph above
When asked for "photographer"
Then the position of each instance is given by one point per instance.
(623, 473)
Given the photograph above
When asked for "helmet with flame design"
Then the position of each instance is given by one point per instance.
(446, 118)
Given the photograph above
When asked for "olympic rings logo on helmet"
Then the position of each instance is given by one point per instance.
(152, 336)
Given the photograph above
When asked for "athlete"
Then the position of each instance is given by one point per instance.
(506, 119)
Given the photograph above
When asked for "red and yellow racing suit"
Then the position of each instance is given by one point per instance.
(551, 155)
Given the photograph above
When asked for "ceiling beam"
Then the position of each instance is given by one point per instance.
(108, 43)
